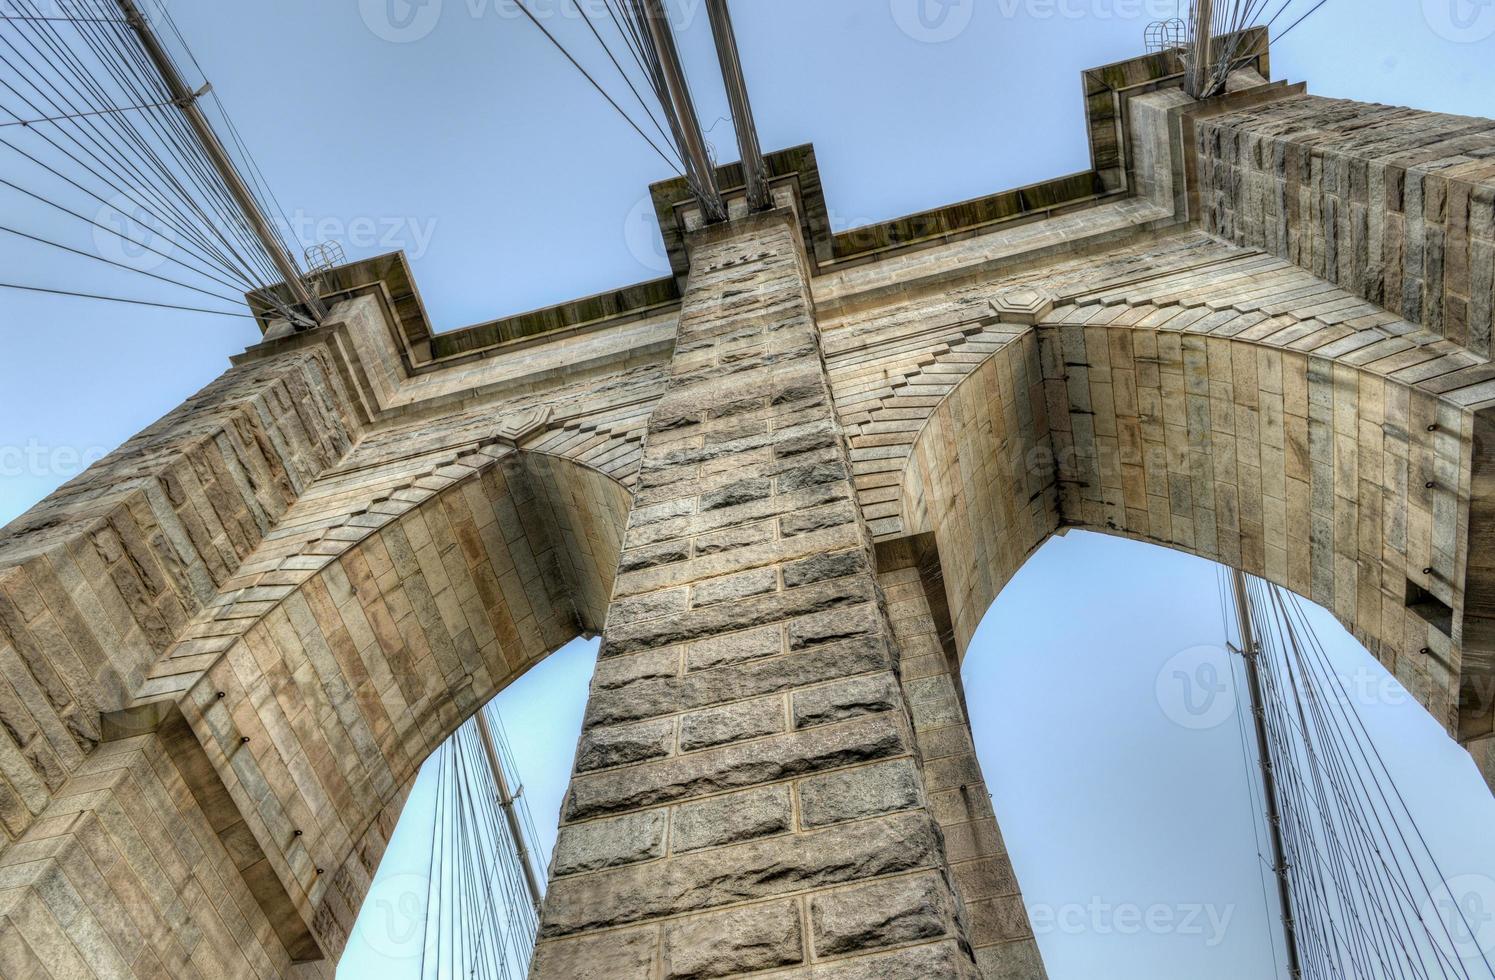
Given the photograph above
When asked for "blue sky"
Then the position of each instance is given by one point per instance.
(511, 185)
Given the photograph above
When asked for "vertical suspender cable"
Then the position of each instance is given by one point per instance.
(506, 800)
(1200, 69)
(221, 161)
(1251, 651)
(703, 170)
(755, 171)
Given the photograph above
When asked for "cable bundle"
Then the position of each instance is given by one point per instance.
(1368, 898)
(480, 919)
(671, 116)
(90, 130)
(1217, 29)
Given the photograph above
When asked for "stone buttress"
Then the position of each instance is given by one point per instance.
(748, 794)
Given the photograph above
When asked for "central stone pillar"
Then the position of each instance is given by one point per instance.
(747, 794)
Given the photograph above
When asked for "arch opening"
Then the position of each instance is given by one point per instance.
(1338, 483)
(369, 664)
(542, 711)
(1328, 479)
(1117, 749)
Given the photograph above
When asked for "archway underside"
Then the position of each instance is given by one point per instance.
(1329, 477)
(274, 741)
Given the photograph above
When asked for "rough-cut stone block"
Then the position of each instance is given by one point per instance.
(1010, 961)
(603, 748)
(609, 843)
(734, 648)
(945, 960)
(833, 625)
(753, 582)
(802, 477)
(731, 538)
(736, 494)
(847, 699)
(732, 819)
(733, 723)
(628, 955)
(744, 940)
(865, 791)
(813, 519)
(621, 671)
(891, 913)
(822, 567)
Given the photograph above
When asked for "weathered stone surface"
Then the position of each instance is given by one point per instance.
(733, 723)
(744, 940)
(621, 671)
(1010, 961)
(830, 703)
(760, 869)
(753, 582)
(944, 960)
(609, 843)
(741, 492)
(734, 648)
(731, 538)
(856, 793)
(603, 748)
(892, 913)
(733, 818)
(663, 554)
(628, 955)
(822, 567)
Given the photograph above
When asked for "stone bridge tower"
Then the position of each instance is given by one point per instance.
(783, 484)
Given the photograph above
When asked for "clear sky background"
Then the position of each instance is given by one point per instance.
(470, 143)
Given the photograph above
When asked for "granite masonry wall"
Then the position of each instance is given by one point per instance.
(748, 792)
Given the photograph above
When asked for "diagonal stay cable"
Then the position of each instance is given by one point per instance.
(595, 84)
(119, 265)
(581, 6)
(205, 273)
(121, 299)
